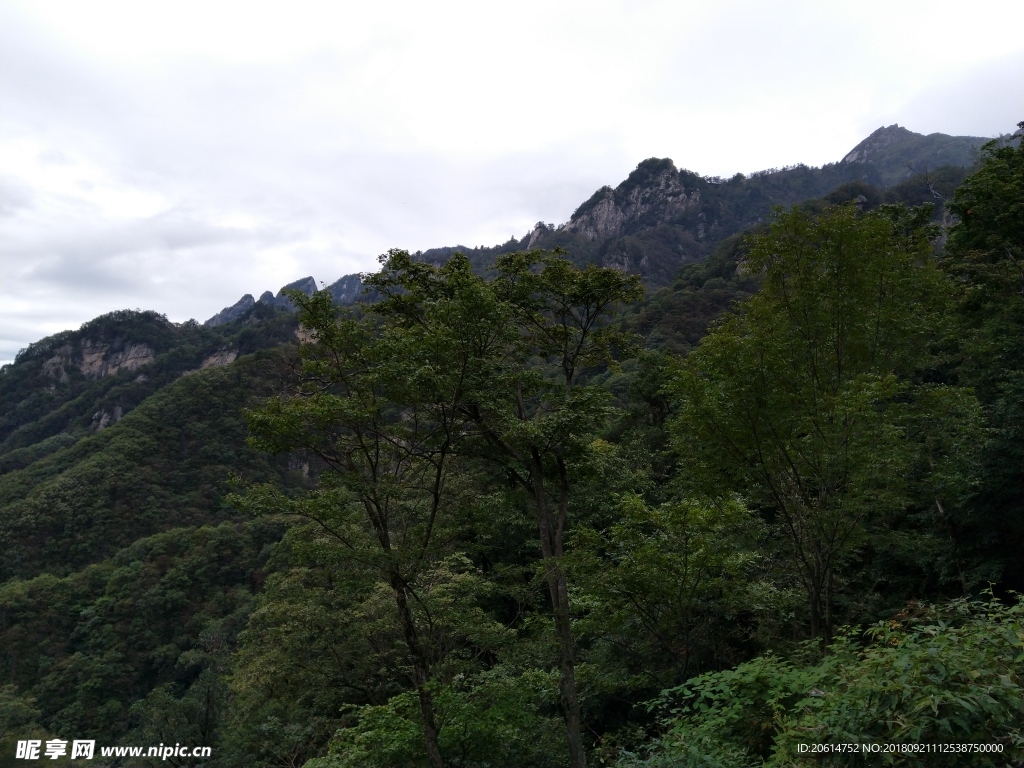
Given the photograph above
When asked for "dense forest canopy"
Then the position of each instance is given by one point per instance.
(513, 511)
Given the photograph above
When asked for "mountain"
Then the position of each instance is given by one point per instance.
(897, 154)
(80, 382)
(662, 217)
(660, 222)
(128, 576)
(234, 312)
(241, 307)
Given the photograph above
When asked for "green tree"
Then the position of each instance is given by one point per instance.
(530, 332)
(985, 256)
(988, 240)
(803, 401)
(667, 580)
(378, 403)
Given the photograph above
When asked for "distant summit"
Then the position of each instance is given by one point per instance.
(345, 291)
(875, 144)
(235, 311)
(897, 154)
(239, 309)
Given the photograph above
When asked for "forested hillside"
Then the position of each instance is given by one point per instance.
(684, 481)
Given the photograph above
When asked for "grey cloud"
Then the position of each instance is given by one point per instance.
(327, 189)
(972, 103)
(15, 196)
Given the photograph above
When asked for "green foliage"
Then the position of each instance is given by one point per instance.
(165, 464)
(669, 584)
(447, 368)
(985, 255)
(801, 400)
(500, 515)
(930, 675)
(326, 638)
(986, 251)
(87, 646)
(194, 717)
(47, 390)
(21, 458)
(674, 319)
(383, 406)
(496, 719)
(18, 720)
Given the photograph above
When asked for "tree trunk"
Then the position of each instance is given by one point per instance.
(566, 666)
(551, 549)
(420, 671)
(814, 597)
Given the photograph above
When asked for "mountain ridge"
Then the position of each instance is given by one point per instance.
(661, 217)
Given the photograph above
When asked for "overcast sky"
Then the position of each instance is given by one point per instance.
(174, 156)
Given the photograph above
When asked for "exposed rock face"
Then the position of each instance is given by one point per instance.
(603, 220)
(868, 150)
(55, 366)
(103, 419)
(347, 289)
(99, 361)
(304, 335)
(220, 357)
(235, 311)
(307, 285)
(653, 194)
(539, 231)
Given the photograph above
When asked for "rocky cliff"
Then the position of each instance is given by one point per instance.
(347, 289)
(78, 382)
(100, 358)
(655, 193)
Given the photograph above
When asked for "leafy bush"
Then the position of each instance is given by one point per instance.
(495, 719)
(930, 675)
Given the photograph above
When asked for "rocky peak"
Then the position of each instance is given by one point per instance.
(347, 289)
(235, 311)
(306, 285)
(895, 154)
(882, 138)
(540, 229)
(652, 194)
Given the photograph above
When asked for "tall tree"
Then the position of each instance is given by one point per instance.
(538, 324)
(985, 256)
(380, 404)
(802, 400)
